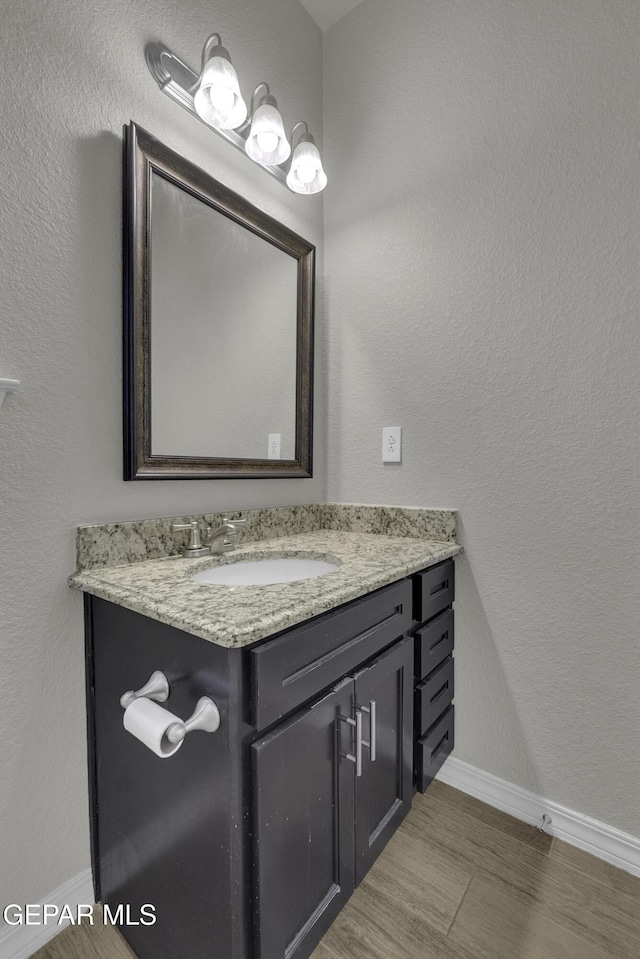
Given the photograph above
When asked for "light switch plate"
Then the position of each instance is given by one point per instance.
(273, 449)
(392, 444)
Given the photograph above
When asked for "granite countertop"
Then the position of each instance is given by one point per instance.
(235, 616)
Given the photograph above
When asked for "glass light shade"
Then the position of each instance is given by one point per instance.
(218, 100)
(267, 142)
(306, 174)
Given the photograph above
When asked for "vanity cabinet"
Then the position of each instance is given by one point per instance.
(434, 591)
(323, 810)
(248, 841)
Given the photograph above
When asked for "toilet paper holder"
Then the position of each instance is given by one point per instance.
(156, 687)
(206, 715)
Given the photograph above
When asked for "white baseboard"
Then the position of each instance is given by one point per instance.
(619, 848)
(20, 942)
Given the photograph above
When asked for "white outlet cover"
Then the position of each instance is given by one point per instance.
(392, 444)
(273, 447)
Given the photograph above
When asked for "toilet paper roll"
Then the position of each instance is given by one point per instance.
(148, 722)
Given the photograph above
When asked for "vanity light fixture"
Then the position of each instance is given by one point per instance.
(306, 174)
(214, 96)
(217, 99)
(267, 142)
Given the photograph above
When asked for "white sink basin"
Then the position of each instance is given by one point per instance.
(264, 572)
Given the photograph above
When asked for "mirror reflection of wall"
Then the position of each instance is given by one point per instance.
(223, 333)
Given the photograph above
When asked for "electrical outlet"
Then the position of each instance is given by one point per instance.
(392, 444)
(273, 448)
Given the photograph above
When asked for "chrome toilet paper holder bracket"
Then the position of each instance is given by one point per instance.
(205, 717)
(156, 688)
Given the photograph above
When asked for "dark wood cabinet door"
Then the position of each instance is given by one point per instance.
(303, 842)
(384, 790)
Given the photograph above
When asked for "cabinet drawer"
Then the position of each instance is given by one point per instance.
(434, 590)
(434, 695)
(433, 749)
(434, 642)
(289, 670)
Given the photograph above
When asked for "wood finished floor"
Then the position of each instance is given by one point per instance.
(460, 880)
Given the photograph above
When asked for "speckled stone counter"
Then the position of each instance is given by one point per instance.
(235, 616)
(115, 544)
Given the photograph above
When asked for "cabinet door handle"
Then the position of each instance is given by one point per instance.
(357, 759)
(358, 742)
(373, 735)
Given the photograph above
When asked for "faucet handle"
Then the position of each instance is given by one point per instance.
(233, 524)
(195, 546)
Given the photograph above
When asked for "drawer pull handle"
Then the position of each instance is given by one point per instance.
(440, 639)
(436, 750)
(373, 732)
(442, 689)
(440, 587)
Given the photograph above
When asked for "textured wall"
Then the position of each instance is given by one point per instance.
(74, 72)
(482, 289)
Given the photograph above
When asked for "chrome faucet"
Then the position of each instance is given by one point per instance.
(217, 541)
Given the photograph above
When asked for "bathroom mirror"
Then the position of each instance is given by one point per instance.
(218, 327)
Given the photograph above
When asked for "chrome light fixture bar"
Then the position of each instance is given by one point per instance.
(214, 97)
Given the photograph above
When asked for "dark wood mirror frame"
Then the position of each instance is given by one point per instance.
(144, 155)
